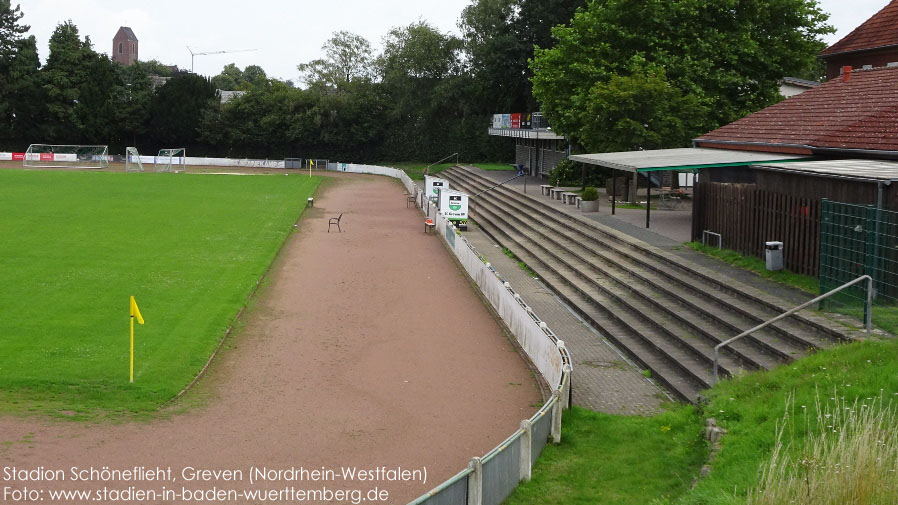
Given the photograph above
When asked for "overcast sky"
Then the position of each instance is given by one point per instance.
(282, 32)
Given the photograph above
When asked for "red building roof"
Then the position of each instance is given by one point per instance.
(858, 113)
(881, 30)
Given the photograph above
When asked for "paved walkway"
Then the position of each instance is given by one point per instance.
(603, 379)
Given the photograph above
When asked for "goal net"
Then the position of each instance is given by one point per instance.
(66, 156)
(132, 160)
(171, 160)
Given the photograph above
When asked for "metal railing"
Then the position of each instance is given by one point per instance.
(440, 161)
(473, 199)
(868, 316)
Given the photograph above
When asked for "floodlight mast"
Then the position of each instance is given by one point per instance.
(204, 53)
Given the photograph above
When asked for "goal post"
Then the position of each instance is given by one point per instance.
(171, 160)
(66, 156)
(132, 160)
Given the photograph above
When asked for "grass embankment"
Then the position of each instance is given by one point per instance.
(634, 460)
(884, 316)
(75, 245)
(415, 170)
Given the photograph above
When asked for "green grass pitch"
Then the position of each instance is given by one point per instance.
(75, 245)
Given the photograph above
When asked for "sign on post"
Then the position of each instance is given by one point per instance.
(454, 207)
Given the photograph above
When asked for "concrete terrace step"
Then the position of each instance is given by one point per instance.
(640, 295)
(666, 369)
(677, 269)
(665, 312)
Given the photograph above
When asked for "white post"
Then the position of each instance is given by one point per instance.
(475, 482)
(556, 417)
(566, 380)
(526, 449)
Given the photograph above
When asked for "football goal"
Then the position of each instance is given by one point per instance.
(171, 160)
(132, 160)
(66, 156)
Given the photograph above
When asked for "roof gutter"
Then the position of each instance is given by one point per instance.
(816, 150)
(828, 55)
(758, 144)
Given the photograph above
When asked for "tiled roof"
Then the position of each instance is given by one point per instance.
(861, 113)
(129, 34)
(878, 31)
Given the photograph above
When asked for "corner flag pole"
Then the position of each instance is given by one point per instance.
(135, 312)
(311, 164)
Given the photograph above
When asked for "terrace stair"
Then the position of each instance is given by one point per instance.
(665, 312)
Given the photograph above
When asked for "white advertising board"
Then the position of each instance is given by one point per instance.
(433, 186)
(454, 207)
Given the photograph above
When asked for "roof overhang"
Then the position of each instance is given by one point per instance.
(876, 171)
(689, 158)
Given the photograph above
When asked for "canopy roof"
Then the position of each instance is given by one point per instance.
(682, 159)
(872, 170)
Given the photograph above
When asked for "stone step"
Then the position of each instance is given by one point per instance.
(751, 302)
(672, 367)
(668, 312)
(667, 295)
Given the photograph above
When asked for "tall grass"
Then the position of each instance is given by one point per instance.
(849, 456)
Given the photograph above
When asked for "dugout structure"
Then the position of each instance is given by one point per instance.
(132, 160)
(171, 160)
(66, 156)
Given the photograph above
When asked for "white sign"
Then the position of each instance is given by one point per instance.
(433, 186)
(454, 205)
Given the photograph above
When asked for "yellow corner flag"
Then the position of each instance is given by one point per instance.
(311, 164)
(135, 312)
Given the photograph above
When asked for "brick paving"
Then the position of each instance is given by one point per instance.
(603, 380)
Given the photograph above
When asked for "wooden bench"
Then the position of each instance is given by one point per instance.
(410, 199)
(544, 189)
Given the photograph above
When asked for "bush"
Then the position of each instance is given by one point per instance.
(590, 194)
(564, 174)
(569, 173)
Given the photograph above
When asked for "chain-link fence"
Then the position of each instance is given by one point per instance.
(858, 240)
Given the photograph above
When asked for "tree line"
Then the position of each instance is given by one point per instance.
(609, 74)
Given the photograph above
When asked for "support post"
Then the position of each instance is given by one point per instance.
(567, 394)
(526, 449)
(556, 417)
(475, 482)
(613, 191)
(648, 200)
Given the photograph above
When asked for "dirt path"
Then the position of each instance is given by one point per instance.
(368, 348)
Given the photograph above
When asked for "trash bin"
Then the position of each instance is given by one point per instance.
(774, 255)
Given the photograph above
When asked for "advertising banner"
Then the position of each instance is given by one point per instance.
(497, 120)
(516, 121)
(18, 156)
(5, 156)
(46, 157)
(433, 186)
(506, 120)
(454, 207)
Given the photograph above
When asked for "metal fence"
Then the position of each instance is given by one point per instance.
(488, 480)
(858, 240)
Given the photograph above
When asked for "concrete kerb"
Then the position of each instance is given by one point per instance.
(545, 350)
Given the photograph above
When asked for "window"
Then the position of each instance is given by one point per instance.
(120, 47)
(132, 48)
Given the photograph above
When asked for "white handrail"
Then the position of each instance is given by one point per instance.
(868, 323)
